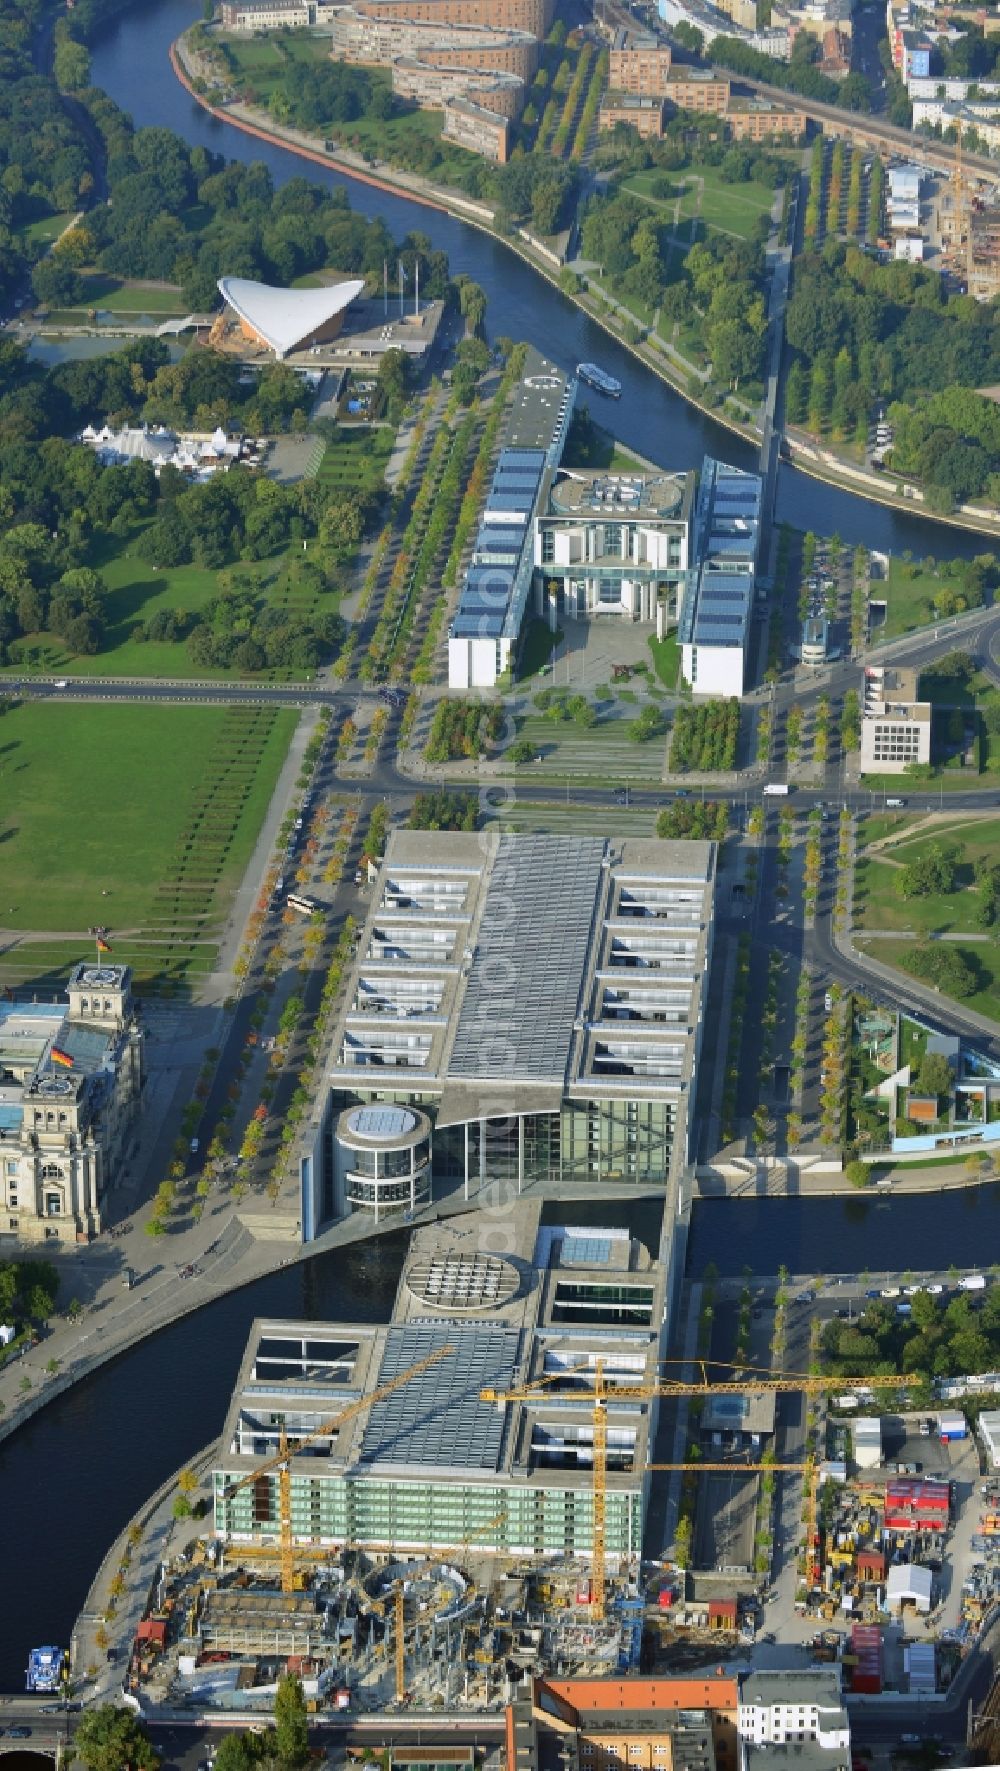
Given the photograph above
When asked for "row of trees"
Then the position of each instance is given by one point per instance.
(462, 729)
(706, 737)
(699, 818)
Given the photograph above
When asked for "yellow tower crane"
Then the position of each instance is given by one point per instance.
(399, 1620)
(597, 1395)
(289, 1448)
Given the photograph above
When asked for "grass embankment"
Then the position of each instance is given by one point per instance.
(140, 818)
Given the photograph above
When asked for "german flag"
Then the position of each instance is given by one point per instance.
(61, 1057)
(103, 946)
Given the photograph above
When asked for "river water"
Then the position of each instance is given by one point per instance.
(130, 62)
(72, 1478)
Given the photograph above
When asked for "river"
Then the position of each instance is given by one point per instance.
(73, 1477)
(130, 62)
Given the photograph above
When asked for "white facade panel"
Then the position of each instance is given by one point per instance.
(713, 670)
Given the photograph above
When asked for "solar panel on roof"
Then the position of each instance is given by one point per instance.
(477, 626)
(550, 931)
(437, 1418)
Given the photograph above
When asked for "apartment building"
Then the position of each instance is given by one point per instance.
(698, 89)
(644, 115)
(753, 120)
(534, 16)
(435, 88)
(380, 41)
(639, 65)
(480, 130)
(266, 15)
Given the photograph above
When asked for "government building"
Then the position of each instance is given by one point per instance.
(70, 1080)
(436, 1466)
(522, 1009)
(669, 551)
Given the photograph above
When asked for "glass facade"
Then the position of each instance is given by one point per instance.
(543, 1520)
(584, 1141)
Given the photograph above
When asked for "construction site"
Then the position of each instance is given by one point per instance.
(421, 1511)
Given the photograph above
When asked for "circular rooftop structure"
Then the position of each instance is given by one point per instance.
(380, 1124)
(463, 1284)
(98, 977)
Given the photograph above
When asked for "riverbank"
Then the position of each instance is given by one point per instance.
(791, 1178)
(803, 458)
(476, 215)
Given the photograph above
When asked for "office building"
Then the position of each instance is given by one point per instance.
(895, 724)
(716, 622)
(539, 1000)
(70, 1080)
(432, 1467)
(487, 624)
(613, 544)
(815, 641)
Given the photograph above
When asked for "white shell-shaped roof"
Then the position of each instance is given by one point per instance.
(284, 317)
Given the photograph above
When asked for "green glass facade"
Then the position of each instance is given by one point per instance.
(379, 1511)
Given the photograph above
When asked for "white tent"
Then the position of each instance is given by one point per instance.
(908, 1585)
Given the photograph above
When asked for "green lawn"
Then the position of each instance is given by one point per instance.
(728, 208)
(980, 953)
(141, 818)
(600, 753)
(136, 591)
(120, 296)
(907, 593)
(590, 445)
(357, 457)
(878, 904)
(666, 659)
(46, 229)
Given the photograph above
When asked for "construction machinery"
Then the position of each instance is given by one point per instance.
(288, 1448)
(597, 1395)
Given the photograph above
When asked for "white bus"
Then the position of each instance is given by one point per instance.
(305, 906)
